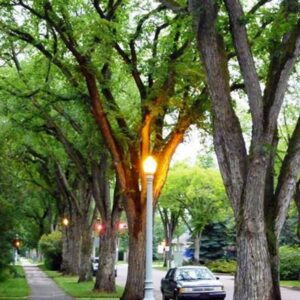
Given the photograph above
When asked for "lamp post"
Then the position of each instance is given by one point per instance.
(16, 243)
(149, 169)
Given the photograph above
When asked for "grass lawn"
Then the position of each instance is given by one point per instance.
(15, 288)
(158, 264)
(81, 290)
(291, 283)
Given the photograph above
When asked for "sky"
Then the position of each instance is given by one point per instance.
(194, 144)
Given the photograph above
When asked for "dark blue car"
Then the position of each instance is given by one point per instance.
(191, 282)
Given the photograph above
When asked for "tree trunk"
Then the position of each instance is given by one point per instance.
(65, 254)
(72, 254)
(275, 263)
(85, 271)
(134, 288)
(197, 242)
(168, 254)
(297, 201)
(105, 279)
(253, 277)
(74, 249)
(71, 246)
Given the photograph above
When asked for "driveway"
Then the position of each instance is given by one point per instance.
(227, 280)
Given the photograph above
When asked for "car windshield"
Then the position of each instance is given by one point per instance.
(194, 274)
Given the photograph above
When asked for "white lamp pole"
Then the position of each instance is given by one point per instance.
(149, 169)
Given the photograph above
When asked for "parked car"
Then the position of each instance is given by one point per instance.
(191, 282)
(95, 265)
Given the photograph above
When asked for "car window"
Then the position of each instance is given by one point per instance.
(194, 274)
(170, 274)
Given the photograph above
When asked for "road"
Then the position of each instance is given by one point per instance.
(228, 281)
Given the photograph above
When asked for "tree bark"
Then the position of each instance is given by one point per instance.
(168, 254)
(134, 288)
(197, 243)
(105, 278)
(110, 213)
(297, 202)
(71, 244)
(259, 211)
(71, 255)
(85, 271)
(253, 277)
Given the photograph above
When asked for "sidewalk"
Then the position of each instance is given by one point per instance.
(41, 286)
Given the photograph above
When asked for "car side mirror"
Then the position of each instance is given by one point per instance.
(218, 278)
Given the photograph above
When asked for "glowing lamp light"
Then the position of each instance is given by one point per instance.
(65, 222)
(122, 226)
(17, 244)
(150, 165)
(99, 227)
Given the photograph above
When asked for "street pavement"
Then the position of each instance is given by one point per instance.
(228, 281)
(41, 286)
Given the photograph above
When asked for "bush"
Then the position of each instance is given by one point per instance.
(51, 246)
(289, 263)
(222, 266)
(7, 216)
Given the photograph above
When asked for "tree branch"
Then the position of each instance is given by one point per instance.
(246, 62)
(228, 138)
(63, 179)
(278, 75)
(287, 179)
(257, 6)
(174, 6)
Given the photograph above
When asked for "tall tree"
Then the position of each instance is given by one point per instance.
(91, 64)
(260, 205)
(198, 196)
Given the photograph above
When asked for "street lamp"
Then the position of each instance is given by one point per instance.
(16, 243)
(149, 169)
(65, 222)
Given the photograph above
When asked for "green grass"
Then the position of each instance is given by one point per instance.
(158, 264)
(291, 283)
(83, 290)
(15, 288)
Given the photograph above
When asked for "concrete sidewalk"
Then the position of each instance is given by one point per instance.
(41, 286)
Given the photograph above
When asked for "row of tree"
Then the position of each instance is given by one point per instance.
(128, 78)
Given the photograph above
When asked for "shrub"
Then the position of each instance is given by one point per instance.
(289, 263)
(7, 216)
(51, 246)
(222, 266)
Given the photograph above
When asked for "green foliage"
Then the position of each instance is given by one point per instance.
(222, 266)
(289, 263)
(7, 221)
(198, 192)
(216, 238)
(51, 247)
